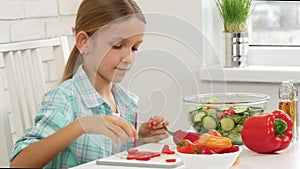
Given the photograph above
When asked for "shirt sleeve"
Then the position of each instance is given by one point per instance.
(54, 114)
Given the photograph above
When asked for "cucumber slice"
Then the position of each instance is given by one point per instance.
(227, 123)
(212, 99)
(241, 109)
(235, 137)
(212, 112)
(198, 127)
(256, 110)
(198, 116)
(241, 119)
(209, 122)
(223, 108)
(192, 114)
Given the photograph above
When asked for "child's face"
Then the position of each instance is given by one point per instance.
(112, 49)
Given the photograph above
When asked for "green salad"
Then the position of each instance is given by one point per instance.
(227, 120)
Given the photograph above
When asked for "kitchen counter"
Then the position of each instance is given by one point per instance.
(288, 158)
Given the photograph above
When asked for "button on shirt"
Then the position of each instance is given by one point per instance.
(72, 99)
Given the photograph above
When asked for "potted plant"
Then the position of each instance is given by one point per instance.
(235, 14)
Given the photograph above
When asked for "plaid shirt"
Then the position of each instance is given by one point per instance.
(72, 99)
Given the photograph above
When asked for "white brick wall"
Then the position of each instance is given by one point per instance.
(67, 8)
(22, 20)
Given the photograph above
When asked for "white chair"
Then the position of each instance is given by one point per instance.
(22, 86)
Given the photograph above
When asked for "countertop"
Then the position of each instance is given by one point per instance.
(288, 158)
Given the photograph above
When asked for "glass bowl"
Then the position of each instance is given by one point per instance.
(224, 112)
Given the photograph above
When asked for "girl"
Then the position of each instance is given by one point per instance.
(89, 115)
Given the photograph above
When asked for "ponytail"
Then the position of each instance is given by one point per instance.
(74, 61)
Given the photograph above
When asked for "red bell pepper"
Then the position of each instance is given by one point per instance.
(268, 132)
(185, 146)
(200, 149)
(180, 135)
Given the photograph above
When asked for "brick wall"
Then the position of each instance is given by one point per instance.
(23, 20)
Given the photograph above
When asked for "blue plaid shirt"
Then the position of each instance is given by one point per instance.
(72, 99)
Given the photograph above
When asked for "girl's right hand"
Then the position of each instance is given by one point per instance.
(110, 126)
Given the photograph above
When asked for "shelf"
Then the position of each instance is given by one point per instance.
(267, 74)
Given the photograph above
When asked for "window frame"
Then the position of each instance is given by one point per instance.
(264, 61)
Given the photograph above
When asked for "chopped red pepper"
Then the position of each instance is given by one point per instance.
(171, 160)
(214, 132)
(232, 149)
(150, 122)
(268, 132)
(228, 112)
(134, 154)
(180, 135)
(198, 148)
(166, 150)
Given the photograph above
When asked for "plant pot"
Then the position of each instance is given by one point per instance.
(236, 49)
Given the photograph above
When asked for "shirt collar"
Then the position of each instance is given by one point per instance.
(90, 96)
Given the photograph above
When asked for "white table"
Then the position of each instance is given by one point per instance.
(289, 159)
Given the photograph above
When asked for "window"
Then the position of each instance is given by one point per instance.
(269, 60)
(275, 23)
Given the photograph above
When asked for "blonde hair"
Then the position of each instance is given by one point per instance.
(92, 15)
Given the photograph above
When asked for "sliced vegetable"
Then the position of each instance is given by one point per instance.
(198, 116)
(171, 160)
(227, 123)
(232, 149)
(203, 149)
(180, 135)
(209, 122)
(227, 120)
(214, 132)
(134, 154)
(223, 108)
(166, 150)
(241, 109)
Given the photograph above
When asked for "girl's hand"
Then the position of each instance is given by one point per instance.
(110, 126)
(152, 131)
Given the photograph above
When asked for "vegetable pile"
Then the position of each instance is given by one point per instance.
(207, 143)
(227, 120)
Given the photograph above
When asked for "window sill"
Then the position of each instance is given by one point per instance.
(267, 74)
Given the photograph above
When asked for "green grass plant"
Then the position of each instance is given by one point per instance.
(234, 14)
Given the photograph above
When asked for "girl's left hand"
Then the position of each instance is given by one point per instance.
(153, 131)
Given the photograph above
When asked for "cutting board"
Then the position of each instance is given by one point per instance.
(120, 159)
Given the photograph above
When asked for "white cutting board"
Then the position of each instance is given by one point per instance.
(120, 159)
